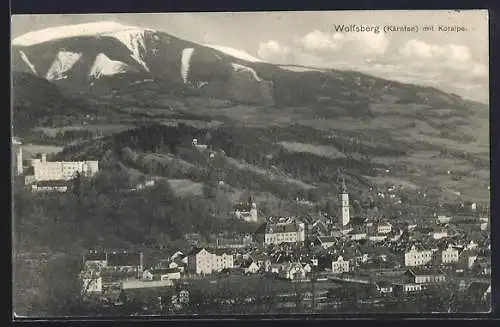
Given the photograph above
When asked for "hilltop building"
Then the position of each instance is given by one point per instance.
(44, 170)
(247, 211)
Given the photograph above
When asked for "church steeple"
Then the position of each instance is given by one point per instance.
(344, 197)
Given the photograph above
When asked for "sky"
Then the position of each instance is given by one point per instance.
(452, 61)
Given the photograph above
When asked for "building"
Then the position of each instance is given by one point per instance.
(415, 257)
(250, 267)
(44, 170)
(450, 255)
(292, 271)
(405, 288)
(247, 211)
(284, 233)
(133, 284)
(339, 265)
(425, 276)
(326, 241)
(344, 197)
(17, 156)
(384, 228)
(234, 242)
(384, 287)
(162, 274)
(203, 262)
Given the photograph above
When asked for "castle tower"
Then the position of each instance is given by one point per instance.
(345, 204)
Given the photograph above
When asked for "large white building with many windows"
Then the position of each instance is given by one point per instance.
(44, 170)
(203, 262)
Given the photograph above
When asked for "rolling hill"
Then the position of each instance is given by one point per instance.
(334, 119)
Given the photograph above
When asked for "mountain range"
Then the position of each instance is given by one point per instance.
(125, 72)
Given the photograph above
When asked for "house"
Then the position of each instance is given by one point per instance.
(467, 258)
(262, 261)
(450, 255)
(384, 287)
(417, 257)
(250, 267)
(161, 274)
(326, 241)
(125, 262)
(377, 237)
(201, 261)
(406, 288)
(177, 265)
(292, 271)
(339, 265)
(384, 228)
(274, 268)
(287, 232)
(439, 234)
(425, 276)
(443, 219)
(308, 268)
(91, 284)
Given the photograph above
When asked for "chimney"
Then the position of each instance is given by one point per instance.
(44, 157)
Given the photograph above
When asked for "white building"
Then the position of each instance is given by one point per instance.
(450, 255)
(284, 233)
(247, 211)
(439, 234)
(201, 261)
(17, 156)
(44, 170)
(384, 228)
(414, 257)
(340, 265)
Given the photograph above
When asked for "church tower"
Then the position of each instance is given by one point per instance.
(344, 197)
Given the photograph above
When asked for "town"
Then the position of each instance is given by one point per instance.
(312, 263)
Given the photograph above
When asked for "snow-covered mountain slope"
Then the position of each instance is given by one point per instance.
(110, 56)
(234, 53)
(69, 31)
(63, 62)
(103, 66)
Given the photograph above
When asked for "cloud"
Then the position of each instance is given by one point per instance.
(362, 43)
(455, 54)
(273, 51)
(414, 61)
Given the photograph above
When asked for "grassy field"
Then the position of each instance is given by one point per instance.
(184, 187)
(33, 149)
(270, 174)
(104, 129)
(319, 150)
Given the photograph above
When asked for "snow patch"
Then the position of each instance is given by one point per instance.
(234, 52)
(28, 62)
(239, 68)
(103, 66)
(185, 60)
(301, 69)
(63, 62)
(133, 39)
